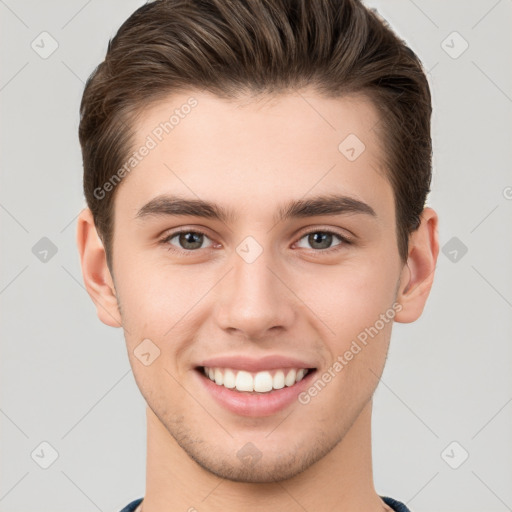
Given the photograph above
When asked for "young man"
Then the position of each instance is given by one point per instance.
(256, 174)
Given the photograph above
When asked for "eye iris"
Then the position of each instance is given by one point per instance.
(320, 237)
(190, 237)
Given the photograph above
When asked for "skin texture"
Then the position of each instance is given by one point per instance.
(252, 155)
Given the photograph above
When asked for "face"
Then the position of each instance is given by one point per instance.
(267, 277)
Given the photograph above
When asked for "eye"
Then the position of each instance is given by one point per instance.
(322, 240)
(187, 240)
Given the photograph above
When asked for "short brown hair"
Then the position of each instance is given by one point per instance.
(228, 47)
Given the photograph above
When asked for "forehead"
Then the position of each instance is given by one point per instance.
(249, 151)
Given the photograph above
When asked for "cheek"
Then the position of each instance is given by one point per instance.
(350, 303)
(155, 296)
(349, 298)
(167, 305)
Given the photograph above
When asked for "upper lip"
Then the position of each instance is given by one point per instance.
(270, 362)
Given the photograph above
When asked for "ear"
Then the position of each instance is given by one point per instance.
(96, 274)
(418, 274)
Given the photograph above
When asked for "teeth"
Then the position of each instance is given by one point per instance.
(261, 382)
(229, 379)
(278, 380)
(244, 381)
(289, 380)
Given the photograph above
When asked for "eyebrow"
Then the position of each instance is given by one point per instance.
(170, 205)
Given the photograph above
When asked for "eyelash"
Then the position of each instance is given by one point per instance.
(344, 240)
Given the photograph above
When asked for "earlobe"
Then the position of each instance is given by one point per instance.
(418, 274)
(96, 274)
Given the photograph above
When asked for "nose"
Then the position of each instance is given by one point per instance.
(254, 299)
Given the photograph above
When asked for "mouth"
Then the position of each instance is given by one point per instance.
(262, 382)
(256, 394)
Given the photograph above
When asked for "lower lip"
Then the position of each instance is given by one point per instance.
(252, 404)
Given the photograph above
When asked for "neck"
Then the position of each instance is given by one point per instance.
(341, 480)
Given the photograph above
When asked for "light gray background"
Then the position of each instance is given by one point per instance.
(65, 377)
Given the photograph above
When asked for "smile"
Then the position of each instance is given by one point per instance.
(259, 382)
(256, 394)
